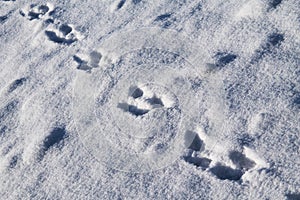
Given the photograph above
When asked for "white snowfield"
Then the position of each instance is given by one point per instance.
(136, 99)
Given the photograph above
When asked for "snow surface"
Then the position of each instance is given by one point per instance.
(135, 99)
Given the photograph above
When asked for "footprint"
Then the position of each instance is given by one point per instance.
(14, 161)
(165, 20)
(274, 3)
(117, 5)
(91, 62)
(36, 12)
(222, 59)
(135, 2)
(243, 162)
(132, 109)
(296, 101)
(54, 139)
(141, 103)
(273, 41)
(15, 84)
(121, 4)
(292, 196)
(4, 18)
(201, 162)
(65, 34)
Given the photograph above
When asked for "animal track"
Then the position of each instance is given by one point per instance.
(141, 103)
(296, 101)
(274, 3)
(198, 161)
(91, 62)
(274, 40)
(5, 17)
(136, 1)
(36, 11)
(165, 20)
(13, 162)
(200, 157)
(117, 5)
(293, 196)
(222, 59)
(121, 4)
(54, 139)
(63, 35)
(241, 162)
(17, 83)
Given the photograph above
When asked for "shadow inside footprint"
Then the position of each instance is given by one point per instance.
(82, 65)
(294, 196)
(193, 141)
(241, 161)
(132, 109)
(227, 173)
(163, 17)
(275, 3)
(224, 59)
(95, 58)
(296, 101)
(273, 41)
(136, 1)
(17, 83)
(121, 4)
(3, 19)
(13, 162)
(198, 162)
(155, 101)
(137, 93)
(65, 29)
(55, 138)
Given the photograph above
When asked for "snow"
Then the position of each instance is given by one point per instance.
(134, 99)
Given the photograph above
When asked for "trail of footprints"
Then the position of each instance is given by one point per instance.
(11, 157)
(62, 33)
(243, 161)
(57, 31)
